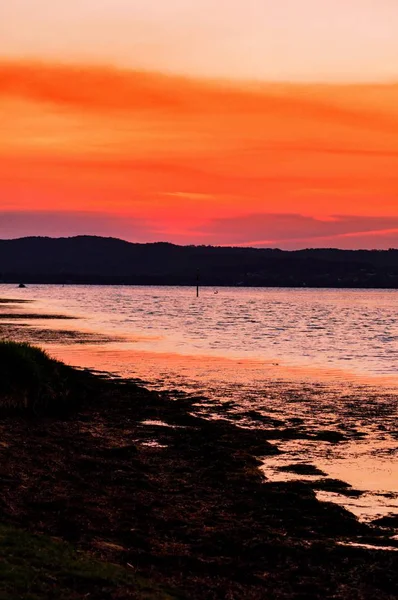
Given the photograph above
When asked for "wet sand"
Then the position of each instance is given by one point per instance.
(19, 325)
(345, 429)
(135, 478)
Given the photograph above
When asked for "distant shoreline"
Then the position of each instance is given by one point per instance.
(111, 261)
(28, 281)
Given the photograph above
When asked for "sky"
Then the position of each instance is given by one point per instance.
(247, 122)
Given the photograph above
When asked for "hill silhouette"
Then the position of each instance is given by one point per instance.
(98, 260)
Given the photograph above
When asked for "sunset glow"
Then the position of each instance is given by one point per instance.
(154, 155)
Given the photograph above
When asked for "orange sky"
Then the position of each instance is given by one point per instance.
(173, 121)
(147, 156)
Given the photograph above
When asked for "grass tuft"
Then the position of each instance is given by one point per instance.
(31, 381)
(36, 567)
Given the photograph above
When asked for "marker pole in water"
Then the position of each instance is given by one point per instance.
(197, 283)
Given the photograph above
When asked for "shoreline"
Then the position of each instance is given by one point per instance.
(289, 392)
(139, 478)
(285, 368)
(134, 478)
(279, 371)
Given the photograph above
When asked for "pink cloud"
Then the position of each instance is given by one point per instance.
(286, 231)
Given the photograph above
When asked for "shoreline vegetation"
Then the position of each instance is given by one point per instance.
(110, 490)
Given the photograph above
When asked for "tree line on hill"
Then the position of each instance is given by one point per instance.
(98, 260)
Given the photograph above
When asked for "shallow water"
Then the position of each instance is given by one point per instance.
(316, 360)
(352, 330)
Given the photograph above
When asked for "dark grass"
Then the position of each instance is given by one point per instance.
(36, 567)
(31, 381)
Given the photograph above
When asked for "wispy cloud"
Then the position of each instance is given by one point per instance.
(295, 231)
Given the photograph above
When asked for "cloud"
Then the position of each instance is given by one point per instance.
(15, 224)
(87, 87)
(287, 231)
(105, 88)
(298, 231)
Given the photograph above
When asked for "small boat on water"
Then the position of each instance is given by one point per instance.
(22, 285)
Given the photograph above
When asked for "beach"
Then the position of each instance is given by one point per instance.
(144, 479)
(321, 363)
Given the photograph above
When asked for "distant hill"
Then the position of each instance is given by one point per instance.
(91, 259)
